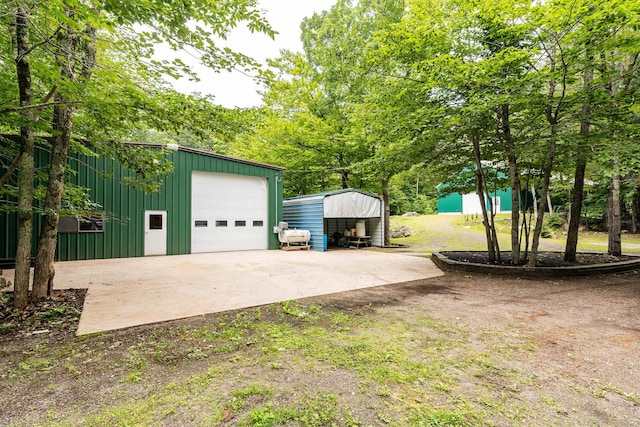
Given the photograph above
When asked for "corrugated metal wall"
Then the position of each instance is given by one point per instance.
(376, 230)
(505, 199)
(307, 214)
(453, 202)
(450, 204)
(9, 221)
(8, 230)
(124, 207)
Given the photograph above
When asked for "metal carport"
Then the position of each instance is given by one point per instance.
(324, 214)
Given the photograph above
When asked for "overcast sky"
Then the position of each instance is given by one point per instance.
(236, 89)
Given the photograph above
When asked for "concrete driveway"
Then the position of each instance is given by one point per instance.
(134, 291)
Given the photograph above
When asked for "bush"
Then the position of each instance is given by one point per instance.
(551, 224)
(555, 220)
(424, 205)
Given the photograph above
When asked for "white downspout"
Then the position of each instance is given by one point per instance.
(278, 179)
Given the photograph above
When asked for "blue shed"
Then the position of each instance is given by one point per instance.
(331, 213)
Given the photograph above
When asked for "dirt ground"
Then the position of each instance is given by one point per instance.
(545, 352)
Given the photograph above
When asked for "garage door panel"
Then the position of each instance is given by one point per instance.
(230, 198)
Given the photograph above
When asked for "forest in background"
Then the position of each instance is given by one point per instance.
(395, 97)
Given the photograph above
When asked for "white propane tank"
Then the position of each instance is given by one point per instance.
(294, 236)
(361, 231)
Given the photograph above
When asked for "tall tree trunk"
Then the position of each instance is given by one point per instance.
(21, 46)
(514, 178)
(576, 208)
(45, 255)
(481, 187)
(67, 50)
(634, 212)
(614, 225)
(25, 219)
(552, 114)
(614, 218)
(387, 211)
(504, 134)
(70, 49)
(581, 166)
(533, 258)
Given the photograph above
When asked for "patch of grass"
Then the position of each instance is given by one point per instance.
(320, 410)
(240, 396)
(466, 232)
(297, 310)
(410, 370)
(42, 364)
(600, 391)
(137, 365)
(5, 326)
(437, 418)
(58, 312)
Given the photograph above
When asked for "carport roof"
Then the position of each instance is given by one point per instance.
(333, 193)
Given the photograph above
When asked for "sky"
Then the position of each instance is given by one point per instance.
(236, 89)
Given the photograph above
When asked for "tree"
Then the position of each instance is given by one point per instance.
(558, 73)
(602, 30)
(308, 125)
(471, 61)
(72, 54)
(612, 49)
(21, 47)
(464, 89)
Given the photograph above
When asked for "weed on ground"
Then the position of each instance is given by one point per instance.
(450, 351)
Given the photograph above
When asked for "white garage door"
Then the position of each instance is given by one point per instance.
(228, 212)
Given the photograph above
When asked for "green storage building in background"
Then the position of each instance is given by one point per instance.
(469, 204)
(465, 200)
(209, 203)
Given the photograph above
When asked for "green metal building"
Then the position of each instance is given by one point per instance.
(209, 203)
(457, 195)
(468, 204)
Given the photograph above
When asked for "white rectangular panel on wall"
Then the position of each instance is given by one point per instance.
(471, 204)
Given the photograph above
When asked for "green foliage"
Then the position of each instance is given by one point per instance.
(123, 93)
(408, 201)
(317, 411)
(386, 86)
(555, 220)
(438, 418)
(552, 224)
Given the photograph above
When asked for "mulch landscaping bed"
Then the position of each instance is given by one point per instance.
(545, 259)
(56, 318)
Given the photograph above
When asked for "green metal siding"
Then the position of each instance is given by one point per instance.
(505, 199)
(124, 207)
(8, 229)
(450, 204)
